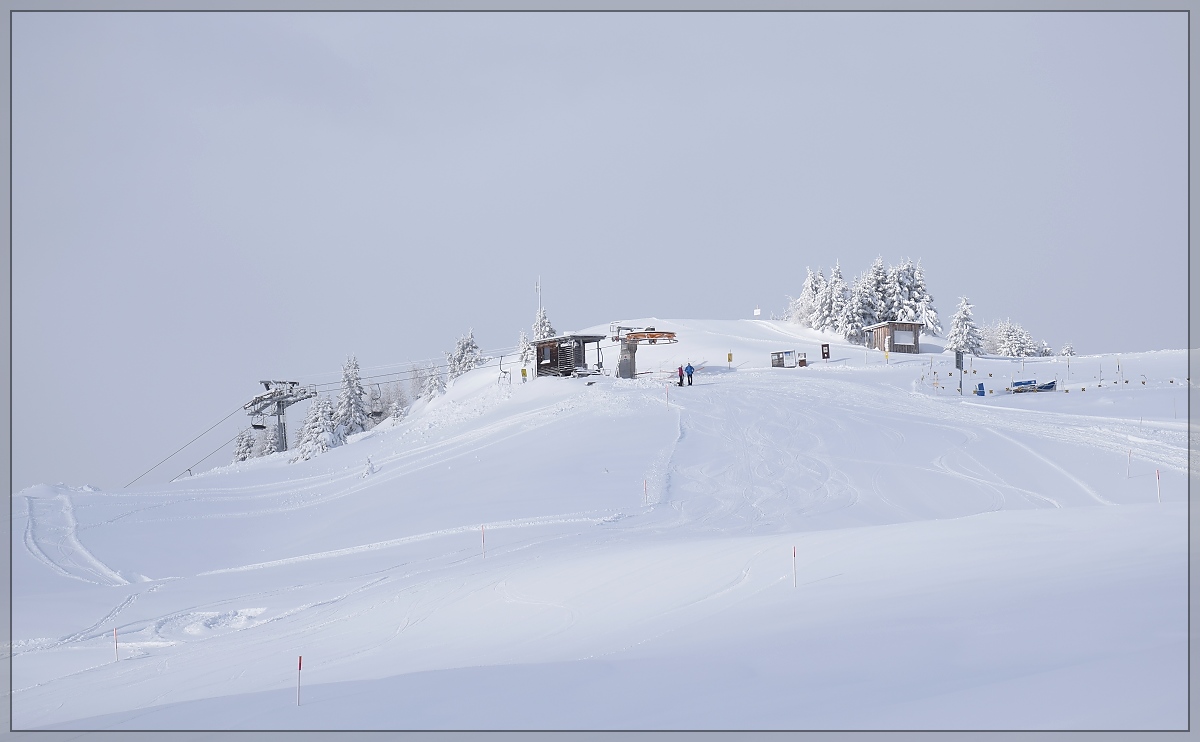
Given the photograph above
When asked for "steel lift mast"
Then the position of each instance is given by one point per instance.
(279, 396)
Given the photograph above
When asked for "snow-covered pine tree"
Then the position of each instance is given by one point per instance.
(927, 315)
(803, 307)
(243, 447)
(833, 300)
(268, 442)
(1045, 350)
(541, 325)
(964, 336)
(351, 413)
(416, 382)
(525, 349)
(317, 432)
(1067, 350)
(465, 356)
(399, 404)
(856, 310)
(434, 383)
(874, 290)
(1010, 339)
(899, 300)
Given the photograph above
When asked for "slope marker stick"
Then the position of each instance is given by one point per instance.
(793, 566)
(645, 493)
(1158, 484)
(299, 665)
(483, 534)
(116, 657)
(1128, 461)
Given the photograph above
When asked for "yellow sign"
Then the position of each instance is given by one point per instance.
(730, 358)
(523, 373)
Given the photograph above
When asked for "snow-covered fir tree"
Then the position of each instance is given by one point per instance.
(434, 383)
(874, 292)
(465, 356)
(1045, 350)
(831, 303)
(243, 447)
(316, 433)
(1067, 350)
(802, 308)
(927, 315)
(541, 325)
(525, 349)
(856, 314)
(351, 413)
(964, 335)
(416, 382)
(268, 442)
(900, 300)
(1007, 338)
(399, 402)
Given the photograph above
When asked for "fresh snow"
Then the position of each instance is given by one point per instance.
(962, 562)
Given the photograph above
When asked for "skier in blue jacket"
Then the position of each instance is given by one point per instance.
(689, 371)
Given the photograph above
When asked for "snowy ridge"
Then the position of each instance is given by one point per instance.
(570, 537)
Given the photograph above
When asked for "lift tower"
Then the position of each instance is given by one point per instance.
(279, 396)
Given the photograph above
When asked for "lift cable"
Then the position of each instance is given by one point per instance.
(236, 410)
(193, 466)
(332, 386)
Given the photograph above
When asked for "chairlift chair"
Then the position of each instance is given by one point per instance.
(258, 422)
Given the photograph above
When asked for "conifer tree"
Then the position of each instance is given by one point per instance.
(465, 356)
(541, 325)
(434, 383)
(351, 413)
(317, 432)
(1067, 350)
(804, 307)
(923, 301)
(268, 442)
(399, 404)
(964, 335)
(525, 349)
(243, 447)
(416, 382)
(856, 314)
(874, 294)
(831, 302)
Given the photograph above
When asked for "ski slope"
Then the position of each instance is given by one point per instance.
(600, 553)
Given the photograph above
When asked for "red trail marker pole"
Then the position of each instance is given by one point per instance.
(299, 665)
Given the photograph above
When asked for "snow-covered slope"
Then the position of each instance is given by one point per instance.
(960, 561)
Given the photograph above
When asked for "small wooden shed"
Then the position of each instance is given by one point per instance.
(565, 355)
(896, 337)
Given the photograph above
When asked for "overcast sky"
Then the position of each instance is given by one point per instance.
(201, 201)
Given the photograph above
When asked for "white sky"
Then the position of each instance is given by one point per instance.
(204, 200)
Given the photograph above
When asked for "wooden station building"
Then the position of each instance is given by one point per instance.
(565, 355)
(896, 337)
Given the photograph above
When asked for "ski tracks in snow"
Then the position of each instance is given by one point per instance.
(51, 536)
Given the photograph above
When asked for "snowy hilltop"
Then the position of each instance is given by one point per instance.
(847, 543)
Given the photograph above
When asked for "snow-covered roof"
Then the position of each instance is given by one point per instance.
(890, 322)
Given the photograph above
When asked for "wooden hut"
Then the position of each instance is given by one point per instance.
(565, 355)
(896, 337)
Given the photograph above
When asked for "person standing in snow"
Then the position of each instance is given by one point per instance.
(689, 371)
(681, 376)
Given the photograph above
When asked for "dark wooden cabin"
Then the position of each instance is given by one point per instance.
(896, 337)
(565, 355)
